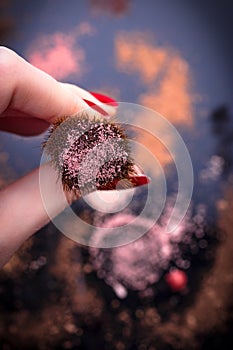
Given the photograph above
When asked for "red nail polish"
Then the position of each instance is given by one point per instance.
(139, 180)
(104, 99)
(97, 108)
(131, 181)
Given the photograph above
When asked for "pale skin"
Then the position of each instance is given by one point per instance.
(29, 101)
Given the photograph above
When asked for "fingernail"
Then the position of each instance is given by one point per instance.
(139, 180)
(97, 108)
(104, 99)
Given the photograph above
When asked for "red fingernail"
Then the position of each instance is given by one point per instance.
(139, 180)
(97, 108)
(104, 99)
(131, 181)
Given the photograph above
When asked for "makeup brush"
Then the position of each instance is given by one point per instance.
(91, 152)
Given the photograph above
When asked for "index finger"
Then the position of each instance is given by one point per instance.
(30, 91)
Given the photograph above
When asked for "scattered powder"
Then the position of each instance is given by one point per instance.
(140, 264)
(213, 170)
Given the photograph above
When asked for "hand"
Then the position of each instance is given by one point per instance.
(29, 101)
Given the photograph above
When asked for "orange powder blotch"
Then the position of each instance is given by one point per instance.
(162, 70)
(155, 146)
(166, 84)
(135, 54)
(172, 97)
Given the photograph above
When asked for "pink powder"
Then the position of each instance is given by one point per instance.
(140, 264)
(89, 152)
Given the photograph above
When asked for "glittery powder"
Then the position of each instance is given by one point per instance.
(90, 153)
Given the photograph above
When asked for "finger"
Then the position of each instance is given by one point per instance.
(109, 105)
(31, 91)
(29, 214)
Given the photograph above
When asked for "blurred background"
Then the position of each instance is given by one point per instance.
(159, 292)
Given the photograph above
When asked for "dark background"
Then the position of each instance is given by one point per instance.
(50, 294)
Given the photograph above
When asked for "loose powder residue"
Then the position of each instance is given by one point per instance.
(140, 264)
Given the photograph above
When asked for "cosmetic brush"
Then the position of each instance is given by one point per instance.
(91, 152)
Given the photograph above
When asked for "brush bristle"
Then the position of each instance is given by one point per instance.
(90, 153)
